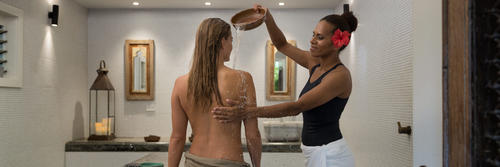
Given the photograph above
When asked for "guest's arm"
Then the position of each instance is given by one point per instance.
(254, 141)
(179, 126)
(252, 134)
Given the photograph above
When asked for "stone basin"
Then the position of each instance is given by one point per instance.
(282, 131)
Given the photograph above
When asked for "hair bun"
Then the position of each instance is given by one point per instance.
(351, 20)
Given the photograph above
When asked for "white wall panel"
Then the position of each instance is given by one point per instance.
(428, 96)
(380, 58)
(39, 118)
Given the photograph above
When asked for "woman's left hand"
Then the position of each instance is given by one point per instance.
(235, 112)
(258, 8)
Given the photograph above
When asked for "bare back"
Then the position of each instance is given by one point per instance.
(213, 139)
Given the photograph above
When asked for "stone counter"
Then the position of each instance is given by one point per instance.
(139, 145)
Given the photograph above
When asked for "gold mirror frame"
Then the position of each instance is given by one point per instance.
(289, 92)
(145, 49)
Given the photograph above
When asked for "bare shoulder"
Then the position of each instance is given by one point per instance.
(340, 75)
(344, 70)
(182, 79)
(238, 74)
(245, 75)
(181, 82)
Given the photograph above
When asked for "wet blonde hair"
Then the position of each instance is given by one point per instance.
(202, 82)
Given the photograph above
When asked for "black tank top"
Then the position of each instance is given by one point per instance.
(321, 124)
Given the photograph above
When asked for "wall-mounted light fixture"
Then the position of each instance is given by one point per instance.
(54, 16)
(346, 8)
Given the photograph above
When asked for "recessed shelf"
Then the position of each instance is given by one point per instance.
(11, 46)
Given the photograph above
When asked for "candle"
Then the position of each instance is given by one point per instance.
(105, 125)
(105, 122)
(99, 129)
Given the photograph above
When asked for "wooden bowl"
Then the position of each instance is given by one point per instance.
(248, 19)
(152, 138)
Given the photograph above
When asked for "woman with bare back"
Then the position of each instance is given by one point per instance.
(194, 94)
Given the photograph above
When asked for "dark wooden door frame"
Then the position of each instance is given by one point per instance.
(456, 85)
(471, 83)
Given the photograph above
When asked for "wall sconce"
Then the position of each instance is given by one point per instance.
(54, 15)
(346, 8)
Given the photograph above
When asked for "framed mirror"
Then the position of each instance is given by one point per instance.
(280, 74)
(139, 69)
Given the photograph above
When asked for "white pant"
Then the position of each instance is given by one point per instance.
(334, 154)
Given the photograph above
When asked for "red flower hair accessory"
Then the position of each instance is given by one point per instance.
(340, 38)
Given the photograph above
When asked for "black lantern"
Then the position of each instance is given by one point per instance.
(102, 107)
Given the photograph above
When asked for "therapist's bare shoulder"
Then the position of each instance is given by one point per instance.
(341, 74)
(341, 78)
(342, 69)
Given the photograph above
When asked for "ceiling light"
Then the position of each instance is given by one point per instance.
(208, 3)
(281, 3)
(135, 3)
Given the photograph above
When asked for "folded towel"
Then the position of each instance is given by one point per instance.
(151, 164)
(133, 164)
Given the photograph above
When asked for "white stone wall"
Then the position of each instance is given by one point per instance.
(395, 60)
(380, 57)
(428, 83)
(49, 110)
